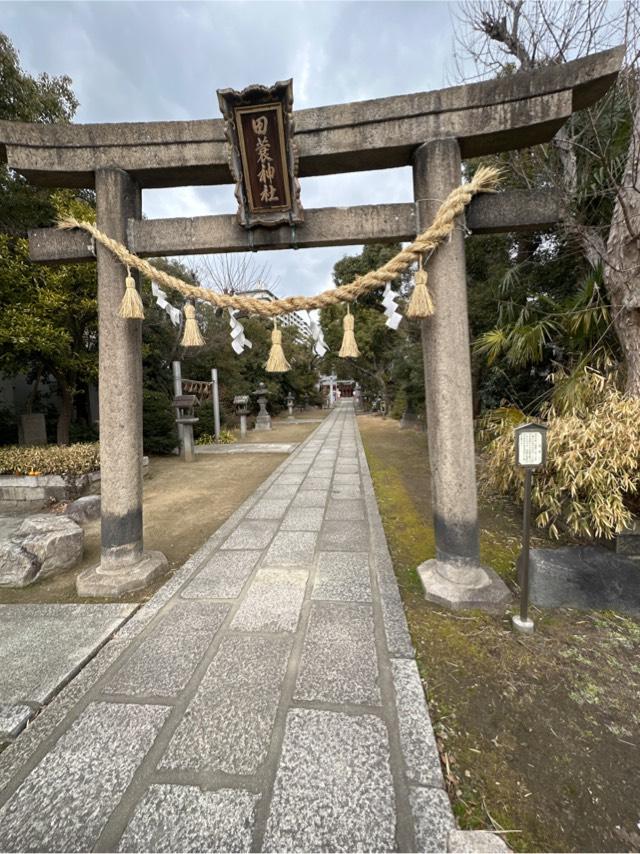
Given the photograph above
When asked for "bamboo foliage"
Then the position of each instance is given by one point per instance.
(592, 476)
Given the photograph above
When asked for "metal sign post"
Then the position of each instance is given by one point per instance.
(531, 452)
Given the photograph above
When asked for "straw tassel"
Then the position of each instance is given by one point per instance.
(131, 305)
(420, 304)
(276, 363)
(191, 337)
(349, 349)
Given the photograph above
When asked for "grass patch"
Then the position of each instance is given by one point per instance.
(537, 735)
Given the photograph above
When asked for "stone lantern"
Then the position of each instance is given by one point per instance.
(263, 419)
(184, 404)
(290, 401)
(241, 403)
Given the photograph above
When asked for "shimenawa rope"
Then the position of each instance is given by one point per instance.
(485, 180)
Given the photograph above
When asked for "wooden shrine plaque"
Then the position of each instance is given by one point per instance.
(259, 130)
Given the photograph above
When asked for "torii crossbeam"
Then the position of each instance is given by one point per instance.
(430, 131)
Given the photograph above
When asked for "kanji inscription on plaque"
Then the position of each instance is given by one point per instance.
(259, 130)
(531, 445)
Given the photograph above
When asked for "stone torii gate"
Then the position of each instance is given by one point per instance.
(430, 131)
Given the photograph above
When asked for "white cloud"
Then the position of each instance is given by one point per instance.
(152, 61)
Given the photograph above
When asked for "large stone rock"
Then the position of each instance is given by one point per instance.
(628, 541)
(84, 509)
(55, 541)
(17, 567)
(584, 577)
(43, 545)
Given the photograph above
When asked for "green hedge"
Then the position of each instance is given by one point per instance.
(50, 459)
(159, 433)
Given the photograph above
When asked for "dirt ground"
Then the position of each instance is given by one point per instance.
(184, 504)
(539, 736)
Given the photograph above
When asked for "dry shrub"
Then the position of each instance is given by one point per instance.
(592, 475)
(67, 461)
(226, 438)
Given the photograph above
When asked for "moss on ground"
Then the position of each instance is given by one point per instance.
(538, 736)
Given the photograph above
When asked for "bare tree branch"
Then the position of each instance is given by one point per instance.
(234, 273)
(595, 158)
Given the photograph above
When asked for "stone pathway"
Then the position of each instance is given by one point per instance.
(265, 699)
(42, 647)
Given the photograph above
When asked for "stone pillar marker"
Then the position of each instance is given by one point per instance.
(176, 371)
(455, 578)
(215, 397)
(124, 566)
(33, 429)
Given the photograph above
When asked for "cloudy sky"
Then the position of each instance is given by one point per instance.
(150, 61)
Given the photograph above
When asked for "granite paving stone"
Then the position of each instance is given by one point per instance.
(269, 509)
(433, 818)
(280, 492)
(313, 498)
(13, 717)
(43, 646)
(333, 790)
(223, 576)
(344, 536)
(340, 478)
(476, 842)
(66, 800)
(185, 818)
(317, 482)
(350, 467)
(345, 511)
(416, 733)
(227, 726)
(303, 519)
(339, 661)
(292, 548)
(395, 625)
(273, 601)
(290, 478)
(164, 662)
(343, 576)
(251, 534)
(345, 492)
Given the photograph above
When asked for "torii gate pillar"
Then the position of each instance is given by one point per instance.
(455, 578)
(123, 565)
(481, 118)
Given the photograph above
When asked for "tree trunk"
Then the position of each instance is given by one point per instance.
(626, 318)
(66, 410)
(622, 260)
(33, 393)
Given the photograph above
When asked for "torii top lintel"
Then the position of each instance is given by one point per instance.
(486, 117)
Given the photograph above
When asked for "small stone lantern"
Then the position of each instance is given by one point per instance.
(241, 403)
(263, 419)
(184, 404)
(290, 399)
